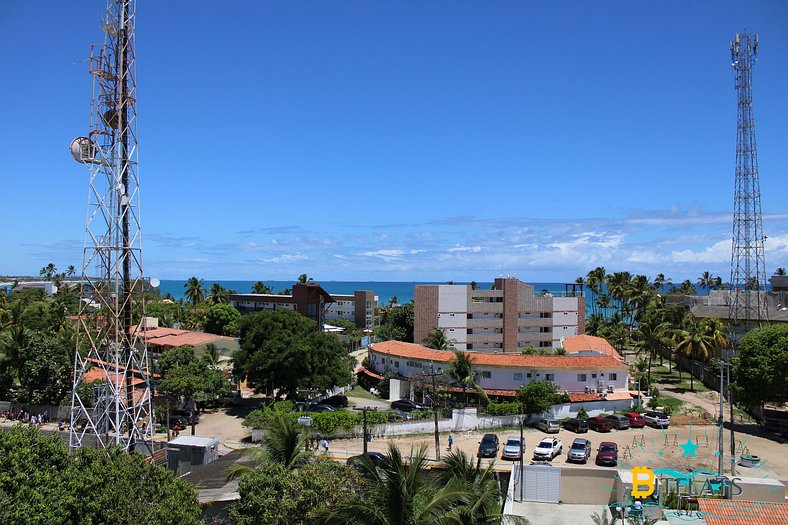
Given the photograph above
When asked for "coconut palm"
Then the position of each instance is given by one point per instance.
(593, 282)
(218, 294)
(602, 519)
(303, 278)
(461, 371)
(706, 280)
(284, 441)
(779, 271)
(437, 340)
(195, 292)
(48, 271)
(660, 281)
(399, 494)
(261, 288)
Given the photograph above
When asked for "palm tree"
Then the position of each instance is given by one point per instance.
(303, 278)
(718, 333)
(687, 288)
(261, 288)
(601, 519)
(399, 494)
(593, 282)
(437, 340)
(484, 507)
(194, 290)
(48, 271)
(706, 280)
(284, 441)
(461, 371)
(779, 271)
(660, 281)
(218, 294)
(70, 270)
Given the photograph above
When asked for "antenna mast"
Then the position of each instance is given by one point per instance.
(111, 394)
(747, 307)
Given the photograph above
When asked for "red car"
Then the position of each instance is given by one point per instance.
(600, 424)
(635, 420)
(607, 453)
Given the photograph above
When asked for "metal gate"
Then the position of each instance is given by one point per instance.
(541, 483)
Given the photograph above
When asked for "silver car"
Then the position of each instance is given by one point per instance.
(549, 426)
(579, 451)
(513, 449)
(657, 419)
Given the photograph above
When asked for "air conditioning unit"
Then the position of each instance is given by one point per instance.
(601, 382)
(588, 389)
(609, 388)
(600, 389)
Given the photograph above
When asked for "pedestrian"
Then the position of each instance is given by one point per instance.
(60, 425)
(324, 444)
(451, 441)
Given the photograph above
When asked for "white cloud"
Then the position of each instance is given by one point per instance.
(458, 248)
(286, 258)
(718, 252)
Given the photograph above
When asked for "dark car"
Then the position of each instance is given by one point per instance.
(600, 424)
(619, 422)
(191, 417)
(635, 420)
(320, 407)
(338, 401)
(376, 458)
(576, 425)
(406, 405)
(488, 446)
(607, 453)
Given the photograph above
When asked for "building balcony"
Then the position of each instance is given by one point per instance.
(485, 323)
(534, 322)
(486, 308)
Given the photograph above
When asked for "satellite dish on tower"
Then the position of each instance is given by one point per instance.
(83, 150)
(155, 282)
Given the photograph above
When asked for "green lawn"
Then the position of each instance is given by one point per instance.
(661, 375)
(359, 392)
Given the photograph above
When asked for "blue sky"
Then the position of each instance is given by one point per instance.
(403, 140)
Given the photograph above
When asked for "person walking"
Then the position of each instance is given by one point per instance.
(324, 444)
(451, 442)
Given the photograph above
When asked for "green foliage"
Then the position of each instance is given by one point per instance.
(44, 368)
(273, 495)
(437, 340)
(222, 319)
(186, 376)
(537, 396)
(399, 319)
(761, 370)
(504, 409)
(41, 482)
(282, 350)
(581, 412)
(195, 292)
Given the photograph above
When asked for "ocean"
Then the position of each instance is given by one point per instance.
(384, 290)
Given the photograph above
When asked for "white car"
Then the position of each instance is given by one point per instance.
(513, 449)
(656, 419)
(548, 448)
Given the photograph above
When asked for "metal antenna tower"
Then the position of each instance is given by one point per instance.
(748, 267)
(111, 394)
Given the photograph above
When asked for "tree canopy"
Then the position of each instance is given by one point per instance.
(283, 351)
(190, 377)
(41, 482)
(538, 396)
(762, 366)
(222, 319)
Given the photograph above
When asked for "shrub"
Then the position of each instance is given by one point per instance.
(581, 413)
(504, 409)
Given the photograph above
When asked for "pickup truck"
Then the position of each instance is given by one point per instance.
(548, 448)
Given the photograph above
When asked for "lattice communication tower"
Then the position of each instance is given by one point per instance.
(111, 394)
(748, 266)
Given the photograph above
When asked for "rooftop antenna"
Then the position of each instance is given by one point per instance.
(111, 391)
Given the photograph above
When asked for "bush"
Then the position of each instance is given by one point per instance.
(504, 409)
(581, 413)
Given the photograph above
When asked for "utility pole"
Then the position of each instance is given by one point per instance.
(432, 375)
(733, 438)
(720, 434)
(366, 434)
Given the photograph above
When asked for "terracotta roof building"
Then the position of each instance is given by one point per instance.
(743, 512)
(597, 373)
(589, 345)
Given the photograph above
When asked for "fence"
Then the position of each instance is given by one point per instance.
(708, 375)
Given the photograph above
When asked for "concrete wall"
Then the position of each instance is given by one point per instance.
(587, 486)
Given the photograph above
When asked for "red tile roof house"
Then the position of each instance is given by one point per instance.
(742, 512)
(587, 378)
(589, 345)
(160, 340)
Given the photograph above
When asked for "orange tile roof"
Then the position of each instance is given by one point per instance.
(415, 351)
(582, 397)
(617, 396)
(97, 374)
(173, 338)
(582, 343)
(743, 512)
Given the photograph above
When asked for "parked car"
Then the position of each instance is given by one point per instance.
(406, 405)
(656, 419)
(338, 401)
(607, 454)
(320, 407)
(577, 425)
(513, 449)
(488, 446)
(635, 420)
(600, 424)
(548, 448)
(549, 426)
(191, 417)
(619, 422)
(376, 458)
(579, 451)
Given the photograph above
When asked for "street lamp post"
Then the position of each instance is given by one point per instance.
(306, 422)
(522, 453)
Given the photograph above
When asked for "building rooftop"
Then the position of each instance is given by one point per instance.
(416, 351)
(583, 343)
(194, 441)
(743, 512)
(173, 337)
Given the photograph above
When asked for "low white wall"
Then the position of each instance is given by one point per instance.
(594, 408)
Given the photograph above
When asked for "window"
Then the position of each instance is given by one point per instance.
(582, 378)
(518, 376)
(593, 376)
(544, 329)
(549, 377)
(545, 315)
(528, 375)
(613, 376)
(396, 363)
(486, 374)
